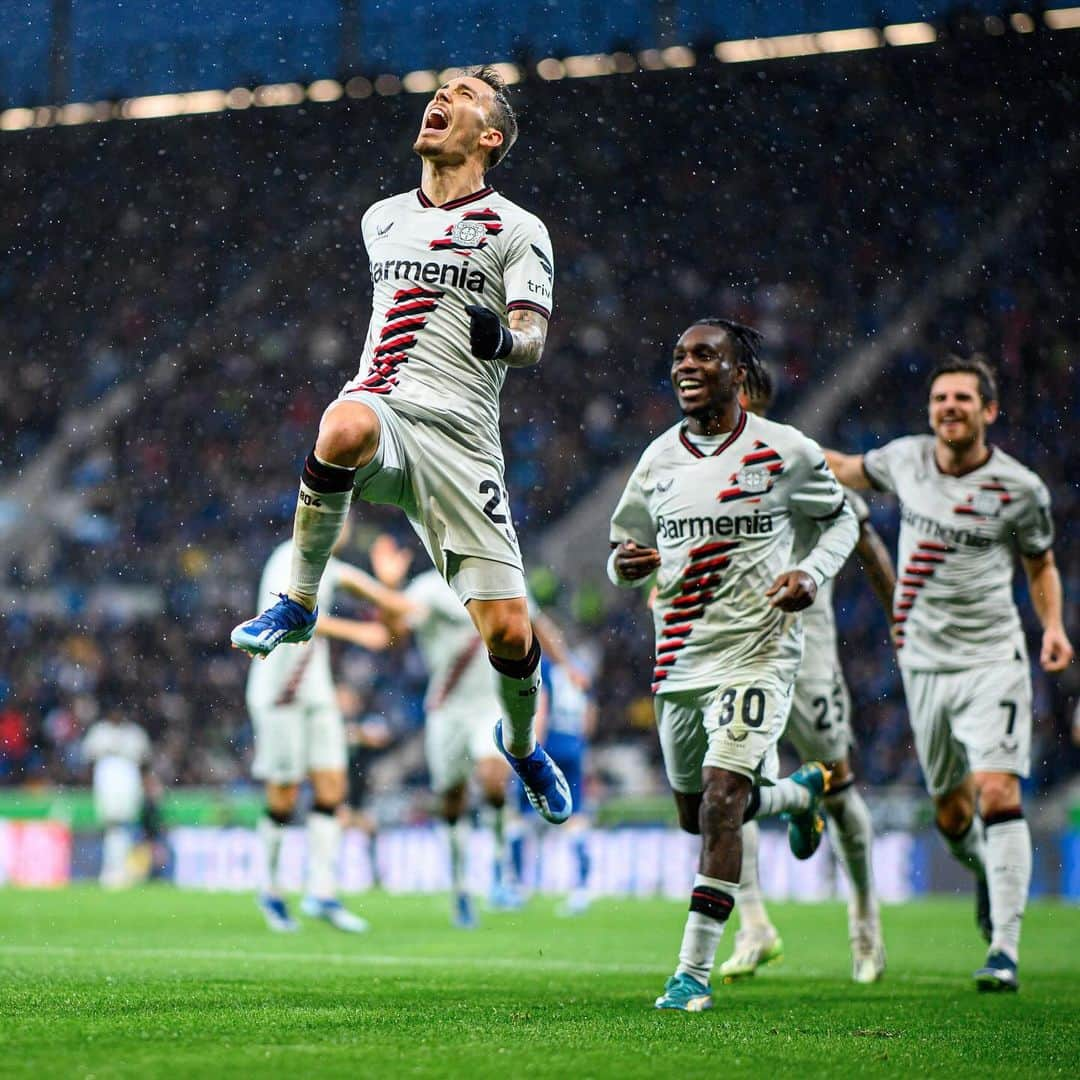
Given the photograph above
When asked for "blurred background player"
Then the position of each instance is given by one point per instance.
(418, 427)
(707, 515)
(565, 721)
(819, 727)
(460, 710)
(119, 750)
(300, 733)
(965, 508)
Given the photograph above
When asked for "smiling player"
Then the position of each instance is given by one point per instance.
(965, 506)
(418, 427)
(708, 515)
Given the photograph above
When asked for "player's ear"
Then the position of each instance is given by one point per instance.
(990, 411)
(491, 139)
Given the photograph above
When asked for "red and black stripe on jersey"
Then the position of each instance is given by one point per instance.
(925, 559)
(491, 222)
(968, 506)
(404, 320)
(762, 454)
(453, 204)
(700, 576)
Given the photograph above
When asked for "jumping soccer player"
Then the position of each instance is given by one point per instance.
(300, 733)
(819, 726)
(965, 506)
(709, 515)
(419, 425)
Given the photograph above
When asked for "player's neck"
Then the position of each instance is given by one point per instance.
(718, 421)
(959, 460)
(445, 183)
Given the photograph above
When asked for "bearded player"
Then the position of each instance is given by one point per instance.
(965, 507)
(708, 516)
(418, 427)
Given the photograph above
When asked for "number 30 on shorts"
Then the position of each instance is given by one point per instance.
(745, 705)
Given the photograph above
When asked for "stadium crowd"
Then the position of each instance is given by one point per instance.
(812, 200)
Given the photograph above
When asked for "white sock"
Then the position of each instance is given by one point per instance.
(1008, 876)
(270, 834)
(323, 848)
(750, 902)
(114, 855)
(782, 796)
(457, 836)
(517, 683)
(320, 514)
(968, 849)
(852, 837)
(710, 905)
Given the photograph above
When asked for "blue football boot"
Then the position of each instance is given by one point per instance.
(806, 827)
(686, 993)
(545, 786)
(286, 623)
(997, 975)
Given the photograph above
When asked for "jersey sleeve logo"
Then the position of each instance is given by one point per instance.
(986, 502)
(545, 262)
(470, 233)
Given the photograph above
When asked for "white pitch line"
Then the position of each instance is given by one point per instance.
(344, 959)
(480, 963)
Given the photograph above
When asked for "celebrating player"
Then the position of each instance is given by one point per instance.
(819, 726)
(300, 732)
(419, 425)
(964, 507)
(709, 513)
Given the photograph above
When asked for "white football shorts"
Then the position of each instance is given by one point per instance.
(978, 720)
(293, 740)
(453, 492)
(734, 726)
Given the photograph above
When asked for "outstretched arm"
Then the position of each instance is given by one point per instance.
(373, 636)
(848, 469)
(1044, 581)
(878, 567)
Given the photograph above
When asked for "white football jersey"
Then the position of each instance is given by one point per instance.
(427, 263)
(459, 674)
(819, 619)
(127, 740)
(293, 674)
(954, 605)
(723, 524)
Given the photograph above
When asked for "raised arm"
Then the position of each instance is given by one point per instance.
(1044, 581)
(848, 469)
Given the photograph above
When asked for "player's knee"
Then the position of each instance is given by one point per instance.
(348, 435)
(722, 807)
(998, 793)
(510, 637)
(953, 816)
(329, 790)
(281, 800)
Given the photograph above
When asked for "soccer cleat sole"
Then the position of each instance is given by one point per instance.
(694, 1004)
(992, 983)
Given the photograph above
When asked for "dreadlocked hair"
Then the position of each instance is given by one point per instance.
(747, 341)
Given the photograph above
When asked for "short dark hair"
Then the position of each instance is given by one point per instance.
(968, 365)
(501, 117)
(747, 343)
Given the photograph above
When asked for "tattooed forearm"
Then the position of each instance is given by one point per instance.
(530, 332)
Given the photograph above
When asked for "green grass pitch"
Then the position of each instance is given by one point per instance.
(157, 982)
